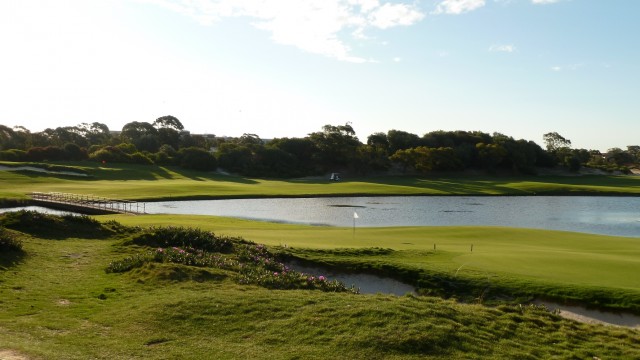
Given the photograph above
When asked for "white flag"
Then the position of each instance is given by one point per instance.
(355, 215)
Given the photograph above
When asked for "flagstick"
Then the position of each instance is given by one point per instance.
(354, 227)
(355, 216)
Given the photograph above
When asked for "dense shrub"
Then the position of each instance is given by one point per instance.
(13, 155)
(110, 154)
(253, 263)
(75, 152)
(140, 158)
(54, 226)
(128, 148)
(162, 158)
(8, 241)
(94, 148)
(185, 237)
(51, 153)
(197, 159)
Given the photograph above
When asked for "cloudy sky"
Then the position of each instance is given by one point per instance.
(281, 68)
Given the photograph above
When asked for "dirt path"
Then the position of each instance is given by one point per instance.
(11, 355)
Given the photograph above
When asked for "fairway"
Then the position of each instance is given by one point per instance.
(131, 182)
(538, 257)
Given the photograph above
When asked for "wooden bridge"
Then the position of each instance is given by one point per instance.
(87, 204)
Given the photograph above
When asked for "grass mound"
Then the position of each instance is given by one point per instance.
(11, 249)
(184, 237)
(58, 227)
(9, 241)
(250, 263)
(153, 273)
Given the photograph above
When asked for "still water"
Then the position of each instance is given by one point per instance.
(597, 215)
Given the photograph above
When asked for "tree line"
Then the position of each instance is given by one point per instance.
(335, 148)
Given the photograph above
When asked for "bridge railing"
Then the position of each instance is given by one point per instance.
(91, 201)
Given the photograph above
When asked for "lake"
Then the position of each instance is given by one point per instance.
(589, 214)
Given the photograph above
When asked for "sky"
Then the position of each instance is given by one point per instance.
(285, 68)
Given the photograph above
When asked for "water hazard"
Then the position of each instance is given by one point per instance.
(597, 215)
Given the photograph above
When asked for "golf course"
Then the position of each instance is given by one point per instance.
(98, 288)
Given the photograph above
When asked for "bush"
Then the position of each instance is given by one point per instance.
(13, 155)
(197, 159)
(127, 148)
(252, 263)
(110, 154)
(8, 241)
(51, 153)
(53, 226)
(74, 152)
(185, 237)
(140, 158)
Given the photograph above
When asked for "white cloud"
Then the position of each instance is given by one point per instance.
(315, 26)
(502, 48)
(544, 1)
(365, 5)
(570, 67)
(456, 7)
(390, 15)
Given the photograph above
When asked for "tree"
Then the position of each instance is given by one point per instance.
(425, 159)
(634, 151)
(378, 140)
(371, 158)
(619, 157)
(6, 136)
(302, 150)
(490, 155)
(95, 133)
(142, 134)
(168, 121)
(250, 140)
(197, 159)
(555, 141)
(400, 140)
(336, 146)
(234, 158)
(169, 130)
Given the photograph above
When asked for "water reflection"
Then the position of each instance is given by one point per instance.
(366, 283)
(598, 215)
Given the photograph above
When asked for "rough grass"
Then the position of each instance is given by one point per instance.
(58, 303)
(135, 182)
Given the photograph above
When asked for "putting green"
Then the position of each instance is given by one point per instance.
(541, 256)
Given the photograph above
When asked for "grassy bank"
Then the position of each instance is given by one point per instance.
(59, 303)
(155, 182)
(571, 267)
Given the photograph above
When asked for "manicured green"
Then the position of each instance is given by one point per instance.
(563, 265)
(59, 303)
(138, 182)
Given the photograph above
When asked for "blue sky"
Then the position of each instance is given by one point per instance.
(281, 68)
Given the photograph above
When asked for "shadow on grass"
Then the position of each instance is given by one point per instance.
(10, 259)
(155, 172)
(453, 185)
